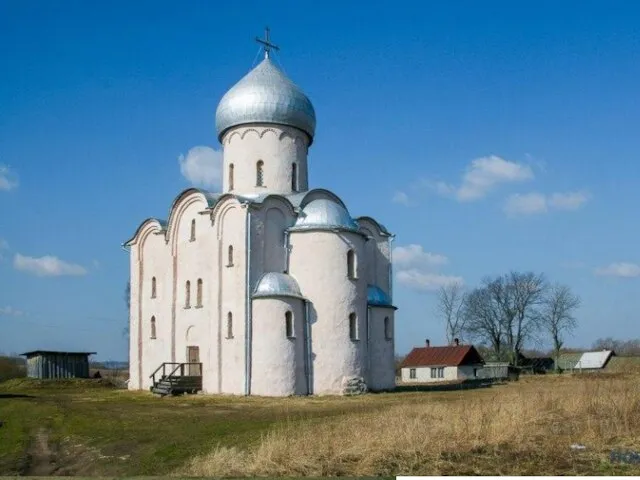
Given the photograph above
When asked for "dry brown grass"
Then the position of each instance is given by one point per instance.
(518, 429)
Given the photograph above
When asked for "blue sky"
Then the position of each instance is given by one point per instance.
(487, 136)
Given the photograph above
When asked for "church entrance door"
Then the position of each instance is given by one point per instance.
(193, 358)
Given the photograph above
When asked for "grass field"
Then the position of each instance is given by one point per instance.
(527, 427)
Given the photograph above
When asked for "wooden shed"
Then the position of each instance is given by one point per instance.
(49, 364)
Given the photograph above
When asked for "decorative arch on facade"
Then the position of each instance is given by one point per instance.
(249, 130)
(373, 226)
(180, 205)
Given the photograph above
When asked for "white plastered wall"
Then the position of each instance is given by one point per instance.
(381, 349)
(319, 263)
(278, 146)
(278, 361)
(378, 255)
(423, 375)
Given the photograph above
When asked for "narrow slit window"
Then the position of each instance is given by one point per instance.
(187, 294)
(294, 177)
(353, 326)
(387, 328)
(231, 176)
(230, 256)
(153, 327)
(153, 287)
(193, 230)
(288, 322)
(229, 325)
(260, 173)
(199, 293)
(351, 264)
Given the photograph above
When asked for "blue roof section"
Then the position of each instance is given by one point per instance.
(376, 297)
(276, 284)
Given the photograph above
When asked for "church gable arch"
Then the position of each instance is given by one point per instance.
(177, 217)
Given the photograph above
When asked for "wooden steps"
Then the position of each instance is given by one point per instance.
(176, 382)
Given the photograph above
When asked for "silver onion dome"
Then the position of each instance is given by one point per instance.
(325, 214)
(265, 95)
(275, 284)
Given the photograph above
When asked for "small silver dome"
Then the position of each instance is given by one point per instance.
(275, 284)
(377, 297)
(266, 95)
(325, 214)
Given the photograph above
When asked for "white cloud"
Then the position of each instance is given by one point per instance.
(202, 166)
(536, 203)
(525, 204)
(569, 200)
(8, 179)
(401, 198)
(426, 281)
(11, 312)
(47, 266)
(414, 256)
(416, 268)
(619, 269)
(482, 176)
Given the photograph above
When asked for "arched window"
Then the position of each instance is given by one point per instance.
(288, 324)
(193, 230)
(387, 328)
(294, 177)
(353, 326)
(229, 325)
(231, 176)
(351, 264)
(187, 295)
(153, 287)
(230, 256)
(153, 327)
(260, 173)
(199, 293)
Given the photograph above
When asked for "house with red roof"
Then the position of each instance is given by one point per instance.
(440, 364)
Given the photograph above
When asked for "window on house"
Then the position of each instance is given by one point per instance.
(475, 372)
(294, 177)
(412, 373)
(229, 325)
(187, 294)
(231, 176)
(153, 327)
(153, 287)
(351, 264)
(387, 328)
(434, 373)
(353, 326)
(230, 256)
(441, 372)
(199, 293)
(288, 322)
(260, 173)
(193, 231)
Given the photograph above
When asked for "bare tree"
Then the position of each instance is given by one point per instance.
(503, 311)
(556, 316)
(483, 320)
(450, 309)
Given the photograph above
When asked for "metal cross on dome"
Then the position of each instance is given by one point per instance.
(267, 44)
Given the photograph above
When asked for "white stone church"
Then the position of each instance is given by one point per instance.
(268, 287)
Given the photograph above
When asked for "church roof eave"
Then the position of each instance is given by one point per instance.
(382, 229)
(276, 285)
(161, 223)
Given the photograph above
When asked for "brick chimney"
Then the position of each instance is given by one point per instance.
(427, 342)
(456, 342)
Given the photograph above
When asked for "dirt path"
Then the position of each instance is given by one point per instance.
(40, 458)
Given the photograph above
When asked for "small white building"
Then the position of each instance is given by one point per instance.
(441, 364)
(268, 287)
